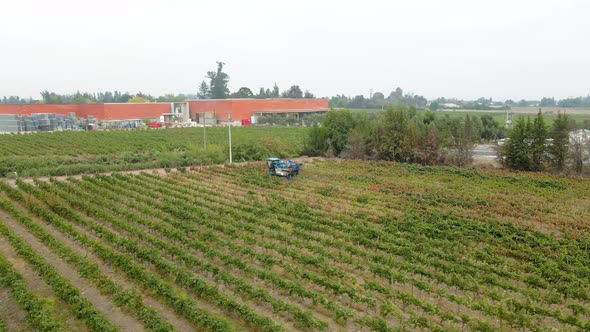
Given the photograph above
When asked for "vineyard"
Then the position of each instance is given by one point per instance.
(347, 246)
(76, 152)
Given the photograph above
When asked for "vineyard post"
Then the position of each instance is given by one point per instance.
(229, 131)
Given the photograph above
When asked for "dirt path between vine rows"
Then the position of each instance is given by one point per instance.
(167, 313)
(99, 301)
(35, 283)
(11, 312)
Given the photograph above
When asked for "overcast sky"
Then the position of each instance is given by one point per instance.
(453, 48)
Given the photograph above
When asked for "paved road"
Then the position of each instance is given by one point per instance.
(485, 151)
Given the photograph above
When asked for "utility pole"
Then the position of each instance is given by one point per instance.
(508, 119)
(229, 131)
(506, 122)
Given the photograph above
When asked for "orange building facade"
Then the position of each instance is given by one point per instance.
(98, 111)
(238, 109)
(242, 109)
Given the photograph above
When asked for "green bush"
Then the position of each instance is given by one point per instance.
(250, 151)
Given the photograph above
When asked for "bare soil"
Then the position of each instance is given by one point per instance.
(37, 285)
(178, 322)
(11, 312)
(100, 302)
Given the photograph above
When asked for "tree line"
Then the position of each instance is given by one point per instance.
(48, 97)
(533, 146)
(566, 102)
(401, 133)
(378, 100)
(217, 88)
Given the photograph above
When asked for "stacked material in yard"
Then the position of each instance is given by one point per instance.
(13, 123)
(10, 123)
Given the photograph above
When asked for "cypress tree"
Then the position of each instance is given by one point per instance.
(538, 138)
(516, 150)
(219, 80)
(559, 146)
(465, 143)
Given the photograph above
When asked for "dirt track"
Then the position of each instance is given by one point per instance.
(12, 182)
(87, 290)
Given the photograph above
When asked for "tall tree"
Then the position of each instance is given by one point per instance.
(547, 102)
(434, 106)
(107, 97)
(243, 92)
(51, 98)
(538, 139)
(410, 143)
(79, 98)
(491, 129)
(394, 124)
(560, 140)
(431, 153)
(397, 96)
(203, 91)
(275, 91)
(218, 82)
(465, 143)
(579, 143)
(516, 148)
(378, 96)
(293, 92)
(45, 95)
(338, 124)
(261, 94)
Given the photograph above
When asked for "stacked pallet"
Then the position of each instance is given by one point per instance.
(13, 123)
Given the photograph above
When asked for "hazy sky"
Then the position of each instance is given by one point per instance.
(453, 48)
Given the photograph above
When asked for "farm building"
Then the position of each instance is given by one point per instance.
(121, 111)
(250, 109)
(210, 111)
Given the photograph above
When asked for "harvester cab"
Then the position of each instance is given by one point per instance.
(283, 168)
